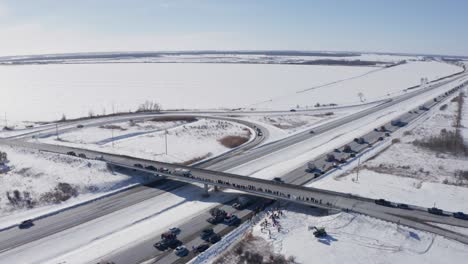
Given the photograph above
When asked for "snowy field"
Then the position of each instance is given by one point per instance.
(354, 239)
(410, 174)
(186, 142)
(104, 88)
(37, 176)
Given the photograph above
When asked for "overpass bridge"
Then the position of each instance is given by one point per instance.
(415, 217)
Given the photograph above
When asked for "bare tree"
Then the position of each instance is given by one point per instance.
(149, 106)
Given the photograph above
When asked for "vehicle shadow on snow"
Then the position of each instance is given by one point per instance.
(327, 240)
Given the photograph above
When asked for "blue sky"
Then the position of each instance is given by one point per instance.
(411, 26)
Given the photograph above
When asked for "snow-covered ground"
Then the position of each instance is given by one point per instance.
(410, 174)
(279, 163)
(185, 141)
(354, 239)
(377, 85)
(37, 175)
(123, 86)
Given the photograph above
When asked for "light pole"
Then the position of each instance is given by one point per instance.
(112, 131)
(6, 122)
(357, 172)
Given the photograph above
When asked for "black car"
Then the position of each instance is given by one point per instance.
(151, 168)
(460, 215)
(71, 153)
(403, 206)
(26, 224)
(435, 210)
(201, 248)
(161, 245)
(214, 238)
(138, 165)
(383, 202)
(277, 179)
(206, 234)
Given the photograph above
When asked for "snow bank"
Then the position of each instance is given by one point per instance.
(356, 239)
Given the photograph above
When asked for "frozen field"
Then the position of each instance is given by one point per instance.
(75, 89)
(37, 177)
(187, 142)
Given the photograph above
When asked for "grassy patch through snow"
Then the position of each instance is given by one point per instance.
(233, 141)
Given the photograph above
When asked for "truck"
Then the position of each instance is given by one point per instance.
(242, 202)
(182, 172)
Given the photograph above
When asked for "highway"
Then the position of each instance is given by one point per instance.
(357, 204)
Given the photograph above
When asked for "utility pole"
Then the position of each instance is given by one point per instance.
(357, 172)
(56, 131)
(6, 122)
(165, 134)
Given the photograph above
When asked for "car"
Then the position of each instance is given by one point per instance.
(435, 210)
(201, 248)
(206, 233)
(460, 215)
(26, 224)
(79, 126)
(164, 170)
(387, 134)
(337, 150)
(71, 153)
(214, 238)
(138, 165)
(231, 220)
(101, 157)
(174, 230)
(278, 180)
(311, 132)
(151, 168)
(81, 155)
(380, 139)
(403, 206)
(383, 202)
(292, 110)
(181, 251)
(161, 245)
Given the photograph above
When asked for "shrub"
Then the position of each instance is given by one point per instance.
(396, 140)
(61, 193)
(447, 142)
(233, 141)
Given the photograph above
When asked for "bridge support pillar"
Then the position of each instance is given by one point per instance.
(205, 192)
(215, 188)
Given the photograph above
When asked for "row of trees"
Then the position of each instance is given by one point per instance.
(147, 106)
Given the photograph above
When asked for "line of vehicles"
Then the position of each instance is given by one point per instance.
(432, 210)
